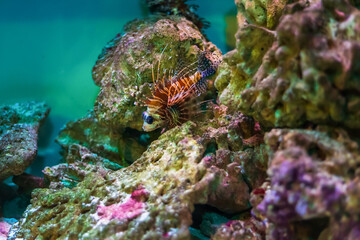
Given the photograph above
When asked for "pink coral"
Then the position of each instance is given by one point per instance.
(4, 230)
(128, 210)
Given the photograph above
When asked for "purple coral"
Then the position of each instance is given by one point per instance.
(299, 191)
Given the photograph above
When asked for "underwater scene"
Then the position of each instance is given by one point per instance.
(180, 119)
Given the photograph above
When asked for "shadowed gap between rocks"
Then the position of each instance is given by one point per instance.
(207, 219)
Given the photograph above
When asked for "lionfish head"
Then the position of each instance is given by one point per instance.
(152, 120)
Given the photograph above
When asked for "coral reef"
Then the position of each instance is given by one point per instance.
(19, 125)
(153, 198)
(311, 175)
(79, 162)
(239, 65)
(313, 59)
(292, 78)
(296, 65)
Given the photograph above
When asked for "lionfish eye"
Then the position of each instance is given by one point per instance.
(149, 119)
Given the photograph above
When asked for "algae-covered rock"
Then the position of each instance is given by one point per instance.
(177, 8)
(313, 180)
(253, 39)
(310, 74)
(294, 65)
(19, 125)
(154, 197)
(317, 72)
(251, 229)
(124, 69)
(79, 162)
(120, 146)
(264, 13)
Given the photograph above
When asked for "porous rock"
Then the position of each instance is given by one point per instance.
(259, 12)
(154, 197)
(124, 69)
(314, 176)
(309, 74)
(19, 125)
(253, 39)
(250, 228)
(121, 147)
(177, 8)
(5, 225)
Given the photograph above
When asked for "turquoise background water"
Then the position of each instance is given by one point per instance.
(49, 47)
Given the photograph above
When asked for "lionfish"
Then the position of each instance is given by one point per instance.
(174, 99)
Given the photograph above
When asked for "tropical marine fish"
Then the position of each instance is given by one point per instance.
(174, 99)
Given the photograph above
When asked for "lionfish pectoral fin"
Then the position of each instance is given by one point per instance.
(191, 106)
(143, 102)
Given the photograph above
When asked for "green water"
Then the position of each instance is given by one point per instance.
(48, 49)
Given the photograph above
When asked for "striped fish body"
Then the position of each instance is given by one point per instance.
(175, 101)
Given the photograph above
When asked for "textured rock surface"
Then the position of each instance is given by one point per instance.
(155, 196)
(79, 162)
(124, 69)
(124, 73)
(258, 12)
(314, 182)
(121, 147)
(4, 229)
(19, 125)
(294, 65)
(314, 58)
(179, 8)
(295, 70)
(241, 230)
(253, 40)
